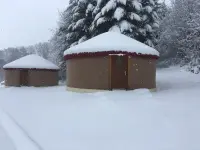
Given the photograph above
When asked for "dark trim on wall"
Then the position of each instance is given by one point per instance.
(106, 53)
(53, 70)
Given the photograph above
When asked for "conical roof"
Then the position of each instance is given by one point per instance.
(112, 41)
(31, 62)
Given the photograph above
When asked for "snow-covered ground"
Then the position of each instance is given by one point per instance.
(5, 141)
(54, 119)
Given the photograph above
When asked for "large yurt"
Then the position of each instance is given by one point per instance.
(111, 61)
(31, 70)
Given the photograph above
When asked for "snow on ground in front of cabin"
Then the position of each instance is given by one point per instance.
(5, 142)
(59, 120)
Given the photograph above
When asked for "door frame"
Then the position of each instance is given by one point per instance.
(25, 73)
(110, 71)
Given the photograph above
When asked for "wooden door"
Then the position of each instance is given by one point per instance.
(23, 77)
(119, 72)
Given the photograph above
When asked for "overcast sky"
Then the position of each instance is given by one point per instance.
(27, 22)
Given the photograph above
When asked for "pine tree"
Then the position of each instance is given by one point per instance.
(179, 40)
(189, 44)
(58, 41)
(150, 21)
(117, 15)
(72, 29)
(81, 20)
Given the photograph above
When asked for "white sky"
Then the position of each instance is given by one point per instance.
(27, 22)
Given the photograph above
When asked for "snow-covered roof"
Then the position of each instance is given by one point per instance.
(112, 41)
(31, 62)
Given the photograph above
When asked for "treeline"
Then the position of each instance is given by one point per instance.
(42, 49)
(179, 32)
(84, 19)
(174, 31)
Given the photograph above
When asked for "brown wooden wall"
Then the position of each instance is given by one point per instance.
(141, 73)
(12, 77)
(95, 73)
(35, 78)
(88, 73)
(43, 78)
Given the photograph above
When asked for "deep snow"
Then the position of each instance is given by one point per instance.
(164, 120)
(19, 137)
(5, 141)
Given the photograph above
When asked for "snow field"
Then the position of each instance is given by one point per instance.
(20, 139)
(5, 142)
(164, 120)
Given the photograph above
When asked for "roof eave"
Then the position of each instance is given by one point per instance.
(44, 69)
(106, 53)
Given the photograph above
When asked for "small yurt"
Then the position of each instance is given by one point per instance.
(111, 61)
(31, 70)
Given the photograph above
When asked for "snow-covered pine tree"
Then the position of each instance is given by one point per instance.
(58, 45)
(117, 15)
(150, 21)
(179, 41)
(172, 30)
(72, 29)
(190, 44)
(58, 41)
(81, 20)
